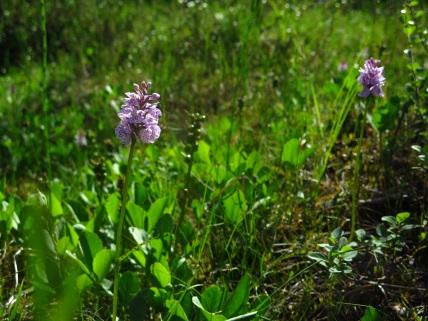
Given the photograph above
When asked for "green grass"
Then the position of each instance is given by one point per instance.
(231, 213)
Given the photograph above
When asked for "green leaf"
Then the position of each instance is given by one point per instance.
(155, 212)
(91, 245)
(293, 154)
(336, 234)
(349, 255)
(390, 219)
(239, 297)
(235, 206)
(317, 256)
(175, 309)
(137, 215)
(83, 282)
(139, 235)
(140, 257)
(79, 210)
(164, 225)
(74, 237)
(361, 234)
(208, 315)
(102, 263)
(212, 298)
(203, 152)
(112, 206)
(64, 244)
(156, 248)
(401, 217)
(129, 286)
(161, 274)
(158, 297)
(408, 227)
(56, 207)
(384, 117)
(79, 262)
(371, 314)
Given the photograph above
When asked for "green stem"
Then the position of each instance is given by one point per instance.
(45, 93)
(119, 231)
(357, 170)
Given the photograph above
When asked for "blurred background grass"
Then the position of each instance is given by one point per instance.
(201, 56)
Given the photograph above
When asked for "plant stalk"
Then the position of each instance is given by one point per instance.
(119, 231)
(357, 170)
(45, 100)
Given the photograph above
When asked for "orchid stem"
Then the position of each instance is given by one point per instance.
(119, 245)
(357, 170)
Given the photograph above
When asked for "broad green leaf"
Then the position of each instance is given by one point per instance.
(90, 244)
(175, 309)
(254, 162)
(56, 207)
(112, 206)
(336, 234)
(106, 286)
(140, 193)
(317, 256)
(64, 244)
(139, 235)
(48, 244)
(161, 274)
(203, 152)
(102, 263)
(293, 154)
(74, 237)
(390, 219)
(361, 234)
(79, 210)
(208, 315)
(212, 298)
(156, 247)
(349, 255)
(239, 297)
(342, 242)
(235, 207)
(137, 215)
(408, 227)
(164, 225)
(79, 262)
(384, 116)
(158, 296)
(371, 314)
(401, 217)
(83, 282)
(155, 212)
(140, 257)
(129, 286)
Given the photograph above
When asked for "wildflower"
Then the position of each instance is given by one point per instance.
(343, 66)
(80, 138)
(372, 79)
(139, 116)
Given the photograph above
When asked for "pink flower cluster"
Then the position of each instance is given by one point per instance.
(372, 79)
(139, 116)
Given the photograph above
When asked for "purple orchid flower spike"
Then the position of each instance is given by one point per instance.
(372, 78)
(139, 116)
